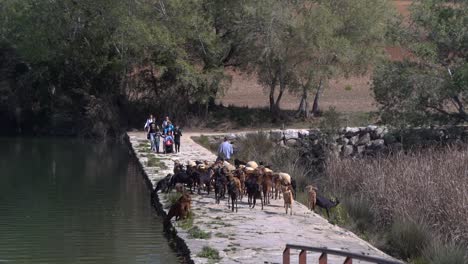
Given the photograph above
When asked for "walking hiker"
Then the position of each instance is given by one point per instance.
(177, 135)
(157, 138)
(164, 124)
(169, 128)
(152, 137)
(148, 123)
(225, 150)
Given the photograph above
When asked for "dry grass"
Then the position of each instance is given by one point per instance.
(426, 186)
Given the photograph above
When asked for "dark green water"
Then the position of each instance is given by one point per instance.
(68, 201)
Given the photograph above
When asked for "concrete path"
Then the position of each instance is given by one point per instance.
(251, 235)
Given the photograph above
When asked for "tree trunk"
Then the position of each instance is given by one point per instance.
(303, 109)
(315, 106)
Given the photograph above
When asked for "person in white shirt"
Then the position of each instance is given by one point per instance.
(148, 123)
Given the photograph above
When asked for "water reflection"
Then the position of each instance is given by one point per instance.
(69, 201)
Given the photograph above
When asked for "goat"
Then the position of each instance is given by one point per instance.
(205, 179)
(163, 184)
(267, 184)
(233, 192)
(288, 199)
(220, 185)
(238, 162)
(178, 167)
(253, 191)
(179, 187)
(252, 164)
(181, 177)
(326, 203)
(180, 209)
(311, 196)
(293, 185)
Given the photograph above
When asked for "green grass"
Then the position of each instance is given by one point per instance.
(222, 235)
(196, 232)
(209, 253)
(171, 198)
(144, 150)
(156, 162)
(204, 142)
(187, 223)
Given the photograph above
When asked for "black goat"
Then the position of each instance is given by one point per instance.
(163, 184)
(326, 203)
(293, 185)
(220, 184)
(238, 162)
(233, 194)
(181, 177)
(253, 192)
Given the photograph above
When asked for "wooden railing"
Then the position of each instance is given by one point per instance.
(323, 259)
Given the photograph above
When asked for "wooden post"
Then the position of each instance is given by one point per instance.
(303, 257)
(286, 256)
(348, 260)
(323, 258)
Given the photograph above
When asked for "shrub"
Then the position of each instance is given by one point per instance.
(255, 146)
(348, 87)
(331, 121)
(429, 185)
(359, 209)
(408, 238)
(196, 232)
(440, 253)
(209, 253)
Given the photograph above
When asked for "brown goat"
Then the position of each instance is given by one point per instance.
(311, 196)
(288, 199)
(179, 187)
(267, 185)
(181, 208)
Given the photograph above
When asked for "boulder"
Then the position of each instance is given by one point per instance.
(380, 131)
(364, 140)
(371, 128)
(360, 149)
(347, 150)
(354, 140)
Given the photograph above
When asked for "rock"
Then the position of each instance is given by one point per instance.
(276, 135)
(342, 141)
(347, 150)
(354, 140)
(364, 140)
(380, 131)
(351, 129)
(360, 149)
(376, 145)
(370, 128)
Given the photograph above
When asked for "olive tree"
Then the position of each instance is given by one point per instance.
(432, 86)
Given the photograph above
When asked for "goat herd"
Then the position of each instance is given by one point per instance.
(257, 181)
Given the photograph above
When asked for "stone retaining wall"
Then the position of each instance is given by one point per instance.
(370, 140)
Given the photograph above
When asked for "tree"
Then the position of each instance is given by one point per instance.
(337, 38)
(87, 64)
(433, 86)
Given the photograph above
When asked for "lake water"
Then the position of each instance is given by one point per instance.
(71, 201)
